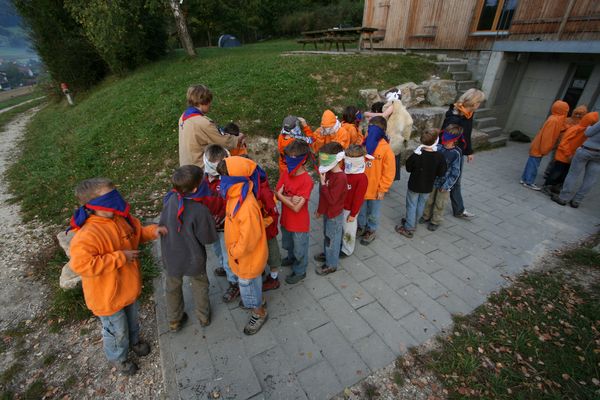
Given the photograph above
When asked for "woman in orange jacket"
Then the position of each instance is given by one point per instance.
(245, 236)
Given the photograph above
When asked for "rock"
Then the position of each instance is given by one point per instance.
(412, 94)
(68, 279)
(64, 241)
(426, 118)
(371, 96)
(263, 150)
(440, 92)
(479, 139)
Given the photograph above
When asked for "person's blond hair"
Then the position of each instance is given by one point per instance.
(199, 95)
(471, 97)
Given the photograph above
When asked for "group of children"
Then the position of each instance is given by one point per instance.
(224, 199)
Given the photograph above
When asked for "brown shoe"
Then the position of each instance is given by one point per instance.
(175, 326)
(325, 270)
(220, 271)
(270, 284)
(367, 238)
(233, 291)
(255, 322)
(404, 232)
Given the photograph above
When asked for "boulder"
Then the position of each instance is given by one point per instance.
(371, 96)
(440, 92)
(68, 279)
(262, 149)
(426, 118)
(412, 94)
(64, 241)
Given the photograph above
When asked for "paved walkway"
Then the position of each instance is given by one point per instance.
(331, 332)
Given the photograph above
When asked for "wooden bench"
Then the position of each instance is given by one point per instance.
(306, 41)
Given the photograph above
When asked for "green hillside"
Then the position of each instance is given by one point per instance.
(126, 129)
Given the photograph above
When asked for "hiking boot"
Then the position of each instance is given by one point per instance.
(325, 270)
(241, 304)
(532, 186)
(204, 321)
(220, 271)
(432, 227)
(255, 322)
(270, 284)
(558, 200)
(403, 231)
(320, 257)
(292, 279)
(126, 367)
(546, 190)
(360, 231)
(367, 238)
(232, 292)
(422, 220)
(465, 214)
(176, 326)
(141, 349)
(574, 204)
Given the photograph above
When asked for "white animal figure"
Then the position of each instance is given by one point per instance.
(399, 123)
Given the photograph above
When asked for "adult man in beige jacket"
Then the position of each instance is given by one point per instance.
(196, 130)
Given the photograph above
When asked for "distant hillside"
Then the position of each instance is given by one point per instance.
(14, 43)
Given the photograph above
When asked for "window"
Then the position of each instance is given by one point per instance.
(496, 15)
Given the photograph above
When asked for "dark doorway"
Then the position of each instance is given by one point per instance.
(577, 84)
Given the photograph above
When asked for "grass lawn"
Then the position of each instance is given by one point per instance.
(126, 128)
(19, 99)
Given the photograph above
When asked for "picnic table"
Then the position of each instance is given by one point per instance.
(338, 36)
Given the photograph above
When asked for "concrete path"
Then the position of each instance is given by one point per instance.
(330, 332)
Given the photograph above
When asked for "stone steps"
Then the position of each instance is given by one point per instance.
(461, 75)
(465, 85)
(493, 131)
(484, 122)
(484, 112)
(498, 141)
(451, 66)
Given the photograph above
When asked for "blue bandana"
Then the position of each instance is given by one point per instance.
(111, 202)
(228, 181)
(200, 194)
(293, 163)
(374, 135)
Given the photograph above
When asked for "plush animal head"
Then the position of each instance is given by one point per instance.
(392, 95)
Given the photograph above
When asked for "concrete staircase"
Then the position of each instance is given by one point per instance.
(485, 120)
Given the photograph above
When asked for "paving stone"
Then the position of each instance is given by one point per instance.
(413, 274)
(423, 245)
(320, 382)
(350, 289)
(346, 362)
(385, 295)
(317, 286)
(386, 272)
(450, 264)
(306, 307)
(387, 253)
(357, 268)
(345, 317)
(433, 311)
(275, 376)
(222, 325)
(390, 331)
(454, 304)
(191, 357)
(363, 252)
(374, 352)
(462, 289)
(299, 348)
(417, 325)
(482, 254)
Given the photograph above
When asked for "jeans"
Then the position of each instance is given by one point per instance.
(333, 229)
(219, 247)
(349, 234)
(415, 204)
(531, 169)
(458, 207)
(434, 208)
(251, 291)
(586, 162)
(296, 244)
(368, 218)
(119, 331)
(174, 297)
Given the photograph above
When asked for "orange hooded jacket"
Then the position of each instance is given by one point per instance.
(380, 171)
(109, 281)
(328, 120)
(574, 138)
(354, 135)
(245, 236)
(546, 139)
(576, 116)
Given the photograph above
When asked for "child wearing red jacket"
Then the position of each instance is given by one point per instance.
(354, 167)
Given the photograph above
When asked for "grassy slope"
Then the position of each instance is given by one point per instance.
(126, 128)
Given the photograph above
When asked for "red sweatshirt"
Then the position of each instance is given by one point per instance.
(216, 205)
(333, 194)
(268, 207)
(357, 187)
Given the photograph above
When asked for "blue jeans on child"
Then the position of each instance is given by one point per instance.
(296, 244)
(415, 204)
(531, 169)
(218, 247)
(119, 331)
(368, 218)
(333, 230)
(251, 291)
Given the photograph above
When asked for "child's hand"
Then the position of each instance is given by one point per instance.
(380, 195)
(323, 180)
(302, 121)
(317, 215)
(470, 158)
(350, 218)
(296, 199)
(442, 190)
(131, 255)
(161, 231)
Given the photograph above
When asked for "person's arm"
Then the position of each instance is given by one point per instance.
(150, 232)
(88, 261)
(204, 227)
(386, 114)
(209, 134)
(388, 171)
(452, 174)
(332, 188)
(410, 163)
(593, 130)
(441, 167)
(287, 201)
(250, 224)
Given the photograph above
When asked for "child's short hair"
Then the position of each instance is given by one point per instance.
(454, 129)
(215, 153)
(199, 95)
(355, 150)
(429, 136)
(222, 168)
(379, 121)
(349, 114)
(231, 129)
(297, 148)
(377, 107)
(89, 189)
(331, 148)
(187, 178)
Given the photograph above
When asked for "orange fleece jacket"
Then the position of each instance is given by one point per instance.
(574, 137)
(109, 282)
(341, 136)
(354, 135)
(282, 142)
(380, 171)
(245, 236)
(546, 139)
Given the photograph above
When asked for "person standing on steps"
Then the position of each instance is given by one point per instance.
(461, 113)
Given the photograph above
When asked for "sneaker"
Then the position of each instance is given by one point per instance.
(320, 257)
(574, 204)
(242, 306)
(325, 270)
(232, 292)
(292, 279)
(532, 186)
(360, 231)
(403, 231)
(422, 220)
(558, 200)
(522, 182)
(367, 238)
(432, 227)
(141, 349)
(270, 284)
(176, 326)
(255, 322)
(220, 271)
(287, 262)
(465, 214)
(126, 367)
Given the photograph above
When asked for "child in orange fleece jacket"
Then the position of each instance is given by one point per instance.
(245, 236)
(104, 251)
(331, 130)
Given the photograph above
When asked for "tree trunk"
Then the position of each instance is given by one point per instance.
(182, 30)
